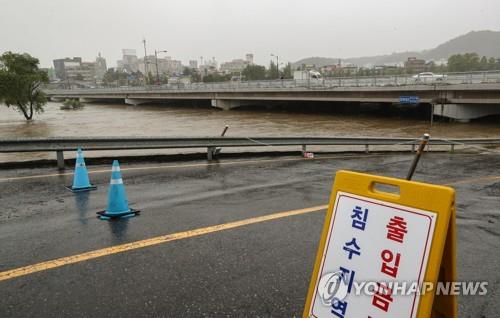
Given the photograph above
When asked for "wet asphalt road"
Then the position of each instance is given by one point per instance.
(258, 270)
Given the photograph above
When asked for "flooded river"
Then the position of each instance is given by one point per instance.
(185, 121)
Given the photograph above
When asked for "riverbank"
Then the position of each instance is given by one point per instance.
(190, 121)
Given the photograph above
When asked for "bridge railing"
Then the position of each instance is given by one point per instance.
(59, 145)
(482, 77)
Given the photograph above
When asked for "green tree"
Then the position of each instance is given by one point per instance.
(164, 78)
(472, 62)
(456, 63)
(491, 63)
(216, 78)
(272, 72)
(20, 81)
(134, 78)
(109, 76)
(187, 71)
(483, 63)
(195, 76)
(287, 71)
(116, 77)
(464, 62)
(254, 72)
(150, 80)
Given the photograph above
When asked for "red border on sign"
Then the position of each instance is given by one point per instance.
(328, 244)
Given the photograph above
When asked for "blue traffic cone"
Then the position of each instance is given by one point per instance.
(81, 178)
(117, 197)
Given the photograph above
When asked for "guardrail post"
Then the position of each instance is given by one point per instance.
(413, 148)
(423, 142)
(60, 159)
(210, 153)
(304, 149)
(452, 148)
(367, 148)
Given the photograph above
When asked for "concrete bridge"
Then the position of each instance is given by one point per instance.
(461, 97)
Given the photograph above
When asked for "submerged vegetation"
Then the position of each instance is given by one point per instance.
(71, 104)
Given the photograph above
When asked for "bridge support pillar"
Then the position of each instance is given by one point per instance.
(60, 159)
(226, 104)
(135, 102)
(465, 112)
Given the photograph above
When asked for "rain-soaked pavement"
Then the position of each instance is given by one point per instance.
(256, 270)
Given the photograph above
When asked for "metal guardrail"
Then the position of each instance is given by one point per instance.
(486, 77)
(59, 145)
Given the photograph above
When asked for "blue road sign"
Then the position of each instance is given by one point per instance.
(409, 100)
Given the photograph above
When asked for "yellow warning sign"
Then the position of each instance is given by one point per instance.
(385, 245)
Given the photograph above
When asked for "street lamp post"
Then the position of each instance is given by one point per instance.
(156, 62)
(277, 65)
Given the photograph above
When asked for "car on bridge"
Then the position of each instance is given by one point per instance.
(427, 77)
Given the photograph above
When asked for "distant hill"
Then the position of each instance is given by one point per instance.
(481, 42)
(485, 43)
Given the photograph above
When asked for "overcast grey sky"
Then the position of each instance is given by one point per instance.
(228, 29)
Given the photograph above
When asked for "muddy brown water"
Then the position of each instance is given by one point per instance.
(186, 121)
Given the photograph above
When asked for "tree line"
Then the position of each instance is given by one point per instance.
(472, 62)
(468, 62)
(251, 72)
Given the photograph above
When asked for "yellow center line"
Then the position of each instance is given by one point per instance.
(30, 269)
(43, 266)
(188, 166)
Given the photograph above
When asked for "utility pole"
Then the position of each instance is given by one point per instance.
(145, 61)
(277, 65)
(201, 69)
(157, 72)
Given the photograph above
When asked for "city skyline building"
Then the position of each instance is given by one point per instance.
(208, 66)
(193, 64)
(249, 58)
(77, 69)
(165, 65)
(414, 65)
(129, 62)
(236, 65)
(61, 64)
(100, 67)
